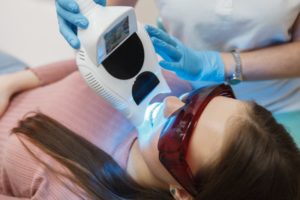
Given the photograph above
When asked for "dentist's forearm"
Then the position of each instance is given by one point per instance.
(275, 62)
(122, 2)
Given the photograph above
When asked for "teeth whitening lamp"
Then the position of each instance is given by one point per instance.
(117, 59)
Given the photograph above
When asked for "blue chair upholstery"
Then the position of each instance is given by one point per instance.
(291, 121)
(10, 64)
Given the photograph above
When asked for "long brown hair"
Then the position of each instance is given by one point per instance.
(261, 162)
(91, 168)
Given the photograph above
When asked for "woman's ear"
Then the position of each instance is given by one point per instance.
(179, 193)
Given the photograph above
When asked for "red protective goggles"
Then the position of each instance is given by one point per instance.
(175, 136)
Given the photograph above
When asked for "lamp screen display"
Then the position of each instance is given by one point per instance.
(116, 35)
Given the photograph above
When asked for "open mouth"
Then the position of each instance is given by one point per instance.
(153, 113)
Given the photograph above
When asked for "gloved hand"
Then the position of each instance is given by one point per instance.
(69, 18)
(188, 64)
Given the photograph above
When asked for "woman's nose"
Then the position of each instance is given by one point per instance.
(171, 104)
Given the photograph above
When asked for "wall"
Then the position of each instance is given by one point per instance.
(29, 30)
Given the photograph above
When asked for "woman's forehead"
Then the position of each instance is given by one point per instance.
(212, 130)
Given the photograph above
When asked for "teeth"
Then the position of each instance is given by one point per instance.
(149, 112)
(154, 113)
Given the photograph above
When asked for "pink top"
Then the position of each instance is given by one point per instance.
(65, 97)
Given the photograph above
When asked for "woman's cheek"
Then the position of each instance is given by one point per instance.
(148, 141)
(150, 154)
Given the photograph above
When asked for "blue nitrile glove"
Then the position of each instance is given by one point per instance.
(188, 64)
(69, 18)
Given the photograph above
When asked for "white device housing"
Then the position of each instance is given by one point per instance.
(117, 59)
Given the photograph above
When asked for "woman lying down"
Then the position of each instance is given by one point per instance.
(59, 140)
